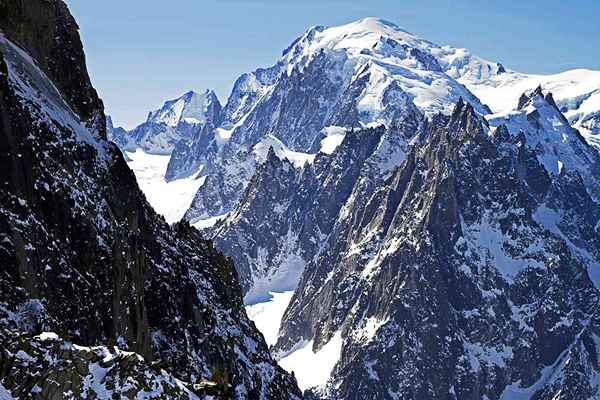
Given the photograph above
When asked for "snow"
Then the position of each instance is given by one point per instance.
(576, 92)
(501, 93)
(369, 329)
(5, 394)
(208, 222)
(516, 392)
(222, 136)
(398, 64)
(313, 369)
(486, 239)
(261, 149)
(170, 199)
(190, 108)
(284, 278)
(334, 136)
(47, 336)
(267, 315)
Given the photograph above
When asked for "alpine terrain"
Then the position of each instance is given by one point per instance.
(99, 297)
(435, 215)
(375, 216)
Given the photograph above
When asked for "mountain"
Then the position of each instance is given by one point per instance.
(454, 256)
(366, 73)
(576, 93)
(178, 120)
(464, 276)
(465, 269)
(99, 296)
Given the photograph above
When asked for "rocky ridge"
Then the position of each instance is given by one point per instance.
(85, 256)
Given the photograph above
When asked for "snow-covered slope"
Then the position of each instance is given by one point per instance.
(169, 199)
(576, 92)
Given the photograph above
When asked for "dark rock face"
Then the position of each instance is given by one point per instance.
(84, 255)
(459, 277)
(50, 34)
(286, 214)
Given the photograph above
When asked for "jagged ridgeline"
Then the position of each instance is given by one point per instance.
(137, 309)
(455, 256)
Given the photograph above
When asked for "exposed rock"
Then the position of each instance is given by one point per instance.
(84, 255)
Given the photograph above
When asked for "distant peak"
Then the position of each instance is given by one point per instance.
(191, 107)
(538, 99)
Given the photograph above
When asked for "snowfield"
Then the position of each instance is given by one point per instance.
(169, 199)
(267, 315)
(311, 369)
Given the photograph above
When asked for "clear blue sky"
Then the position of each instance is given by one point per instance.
(142, 52)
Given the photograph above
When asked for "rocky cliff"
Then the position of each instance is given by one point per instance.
(83, 254)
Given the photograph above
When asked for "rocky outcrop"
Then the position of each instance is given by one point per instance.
(84, 255)
(287, 213)
(50, 368)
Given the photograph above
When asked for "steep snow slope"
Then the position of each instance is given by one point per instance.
(169, 199)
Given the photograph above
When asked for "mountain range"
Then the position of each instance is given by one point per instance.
(436, 211)
(434, 217)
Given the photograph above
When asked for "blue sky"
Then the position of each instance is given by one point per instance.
(142, 52)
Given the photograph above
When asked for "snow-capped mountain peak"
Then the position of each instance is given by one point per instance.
(386, 42)
(191, 108)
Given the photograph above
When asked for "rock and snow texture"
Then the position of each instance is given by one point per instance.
(366, 73)
(362, 74)
(576, 93)
(178, 120)
(449, 255)
(83, 254)
(447, 279)
(47, 367)
(286, 213)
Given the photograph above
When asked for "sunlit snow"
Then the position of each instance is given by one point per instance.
(267, 315)
(334, 136)
(170, 199)
(261, 149)
(313, 369)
